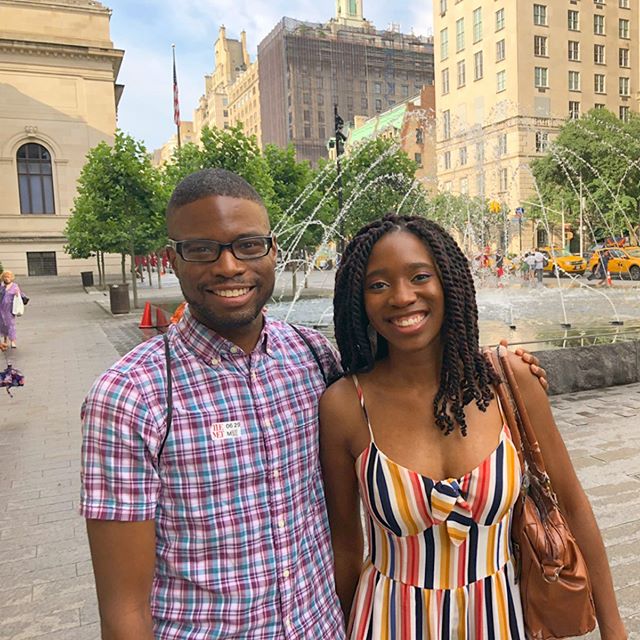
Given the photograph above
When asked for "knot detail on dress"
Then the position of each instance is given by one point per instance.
(449, 507)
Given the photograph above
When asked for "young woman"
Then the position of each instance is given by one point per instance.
(415, 431)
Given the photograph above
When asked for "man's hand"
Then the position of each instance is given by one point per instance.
(532, 361)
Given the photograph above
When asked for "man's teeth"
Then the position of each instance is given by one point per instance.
(408, 322)
(231, 293)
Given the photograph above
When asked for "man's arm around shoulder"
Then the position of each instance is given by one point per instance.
(123, 556)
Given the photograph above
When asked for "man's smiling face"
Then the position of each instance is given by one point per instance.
(227, 295)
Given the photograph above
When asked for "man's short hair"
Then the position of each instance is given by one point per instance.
(211, 182)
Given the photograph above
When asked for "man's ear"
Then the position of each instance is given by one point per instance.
(173, 259)
(274, 245)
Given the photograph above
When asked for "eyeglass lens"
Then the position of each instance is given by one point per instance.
(242, 249)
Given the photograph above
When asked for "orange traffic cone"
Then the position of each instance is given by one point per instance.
(146, 322)
(162, 322)
(609, 282)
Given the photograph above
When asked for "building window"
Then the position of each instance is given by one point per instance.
(504, 179)
(443, 7)
(599, 105)
(322, 133)
(419, 135)
(542, 141)
(540, 46)
(377, 87)
(477, 24)
(478, 66)
(624, 4)
(623, 29)
(540, 15)
(464, 186)
(364, 104)
(418, 158)
(404, 90)
(623, 57)
(500, 50)
(598, 25)
(447, 159)
(446, 124)
(462, 156)
(378, 105)
(480, 184)
(306, 98)
(623, 112)
(574, 50)
(307, 132)
(42, 263)
(363, 86)
(573, 20)
(479, 151)
(461, 73)
(574, 110)
(499, 19)
(625, 86)
(598, 54)
(541, 77)
(35, 179)
(444, 44)
(574, 81)
(445, 81)
(598, 83)
(501, 81)
(502, 144)
(306, 116)
(460, 34)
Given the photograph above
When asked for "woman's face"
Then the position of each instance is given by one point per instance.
(7, 277)
(403, 294)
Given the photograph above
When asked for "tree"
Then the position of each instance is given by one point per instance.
(301, 222)
(377, 178)
(598, 155)
(229, 149)
(118, 203)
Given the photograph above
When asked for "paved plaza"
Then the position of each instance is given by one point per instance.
(67, 337)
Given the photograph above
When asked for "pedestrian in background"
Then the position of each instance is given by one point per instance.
(538, 265)
(603, 261)
(8, 291)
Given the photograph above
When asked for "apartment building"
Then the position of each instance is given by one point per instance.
(509, 73)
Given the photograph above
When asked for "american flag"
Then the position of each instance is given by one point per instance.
(176, 100)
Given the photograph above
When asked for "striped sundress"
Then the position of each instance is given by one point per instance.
(440, 564)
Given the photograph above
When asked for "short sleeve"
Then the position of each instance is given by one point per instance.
(118, 477)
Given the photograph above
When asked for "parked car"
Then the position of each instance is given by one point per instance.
(560, 262)
(623, 262)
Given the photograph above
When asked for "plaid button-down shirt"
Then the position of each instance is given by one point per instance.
(243, 547)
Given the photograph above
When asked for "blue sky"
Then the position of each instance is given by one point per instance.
(145, 29)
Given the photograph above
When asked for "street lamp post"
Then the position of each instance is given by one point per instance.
(340, 140)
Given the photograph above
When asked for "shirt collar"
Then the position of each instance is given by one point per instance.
(212, 347)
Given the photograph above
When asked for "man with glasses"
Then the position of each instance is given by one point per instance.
(207, 520)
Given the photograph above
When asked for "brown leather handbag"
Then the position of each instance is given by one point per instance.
(554, 581)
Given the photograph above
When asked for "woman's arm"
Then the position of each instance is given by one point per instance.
(573, 501)
(337, 419)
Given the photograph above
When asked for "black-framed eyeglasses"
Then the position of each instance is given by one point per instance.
(209, 250)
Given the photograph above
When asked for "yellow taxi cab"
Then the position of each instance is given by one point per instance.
(623, 261)
(561, 261)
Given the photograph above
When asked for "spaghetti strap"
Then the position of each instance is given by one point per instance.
(364, 408)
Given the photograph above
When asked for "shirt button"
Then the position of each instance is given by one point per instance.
(281, 524)
(285, 573)
(215, 361)
(234, 349)
(254, 375)
(276, 474)
(287, 623)
(268, 425)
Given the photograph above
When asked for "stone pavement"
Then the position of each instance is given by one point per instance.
(65, 340)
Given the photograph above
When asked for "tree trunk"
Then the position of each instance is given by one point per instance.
(134, 280)
(99, 270)
(123, 266)
(159, 269)
(149, 270)
(104, 271)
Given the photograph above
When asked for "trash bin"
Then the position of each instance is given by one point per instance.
(119, 298)
(87, 278)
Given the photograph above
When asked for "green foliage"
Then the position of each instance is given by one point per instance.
(601, 152)
(229, 149)
(117, 206)
(377, 178)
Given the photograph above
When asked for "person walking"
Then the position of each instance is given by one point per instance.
(538, 266)
(8, 291)
(201, 479)
(603, 266)
(414, 432)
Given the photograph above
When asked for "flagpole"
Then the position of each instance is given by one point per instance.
(176, 101)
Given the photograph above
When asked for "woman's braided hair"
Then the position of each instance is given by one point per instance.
(465, 374)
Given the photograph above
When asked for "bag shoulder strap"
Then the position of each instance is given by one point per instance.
(169, 389)
(313, 351)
